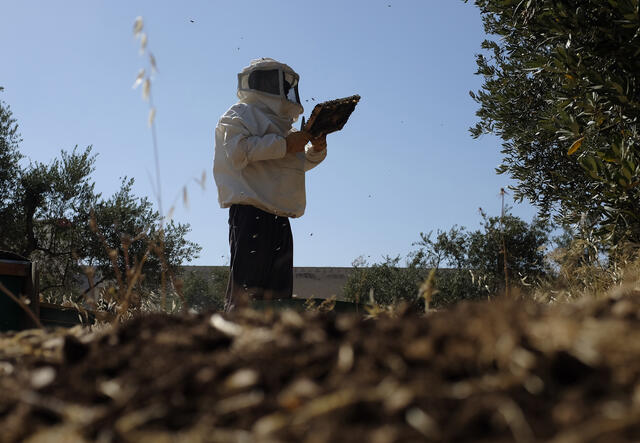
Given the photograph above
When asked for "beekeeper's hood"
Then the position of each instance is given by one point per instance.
(273, 84)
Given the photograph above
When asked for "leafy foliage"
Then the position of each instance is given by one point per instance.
(388, 282)
(561, 76)
(9, 158)
(54, 216)
(470, 265)
(205, 292)
(474, 261)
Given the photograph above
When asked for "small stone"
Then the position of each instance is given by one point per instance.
(241, 379)
(42, 377)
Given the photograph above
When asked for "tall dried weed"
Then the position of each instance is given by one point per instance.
(583, 271)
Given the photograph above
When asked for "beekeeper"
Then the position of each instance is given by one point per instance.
(259, 168)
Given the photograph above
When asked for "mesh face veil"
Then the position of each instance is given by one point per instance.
(272, 84)
(290, 87)
(278, 82)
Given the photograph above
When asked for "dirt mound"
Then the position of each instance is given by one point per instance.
(493, 371)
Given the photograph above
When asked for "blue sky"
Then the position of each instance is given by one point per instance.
(404, 164)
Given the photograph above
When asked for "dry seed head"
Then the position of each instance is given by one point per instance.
(152, 61)
(137, 26)
(143, 43)
(152, 116)
(139, 79)
(146, 89)
(185, 197)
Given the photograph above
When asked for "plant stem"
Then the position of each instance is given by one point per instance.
(504, 247)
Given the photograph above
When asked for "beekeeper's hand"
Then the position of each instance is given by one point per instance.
(319, 143)
(297, 140)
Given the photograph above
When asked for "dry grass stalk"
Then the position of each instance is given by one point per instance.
(428, 290)
(581, 272)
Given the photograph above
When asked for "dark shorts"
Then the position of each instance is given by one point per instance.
(261, 256)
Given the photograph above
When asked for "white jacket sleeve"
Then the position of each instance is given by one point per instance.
(313, 158)
(241, 147)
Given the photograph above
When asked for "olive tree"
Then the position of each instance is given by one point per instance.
(562, 89)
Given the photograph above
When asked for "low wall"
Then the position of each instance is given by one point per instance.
(308, 282)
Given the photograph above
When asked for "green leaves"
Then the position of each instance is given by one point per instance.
(559, 73)
(575, 146)
(593, 165)
(51, 213)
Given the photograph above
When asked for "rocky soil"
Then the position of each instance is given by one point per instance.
(493, 371)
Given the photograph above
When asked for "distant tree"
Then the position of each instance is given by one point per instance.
(132, 228)
(54, 216)
(473, 262)
(470, 265)
(562, 89)
(9, 169)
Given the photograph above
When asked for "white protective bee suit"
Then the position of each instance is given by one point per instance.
(251, 164)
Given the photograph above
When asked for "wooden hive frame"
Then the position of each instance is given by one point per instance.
(330, 116)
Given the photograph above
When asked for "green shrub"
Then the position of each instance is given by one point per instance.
(204, 292)
(470, 265)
